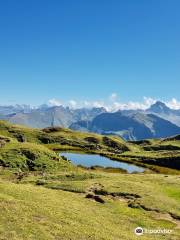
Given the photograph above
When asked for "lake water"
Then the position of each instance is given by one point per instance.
(89, 160)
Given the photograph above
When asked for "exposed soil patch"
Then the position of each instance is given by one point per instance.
(39, 218)
(158, 214)
(98, 190)
(135, 204)
(168, 217)
(97, 193)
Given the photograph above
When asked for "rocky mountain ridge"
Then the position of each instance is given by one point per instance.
(155, 122)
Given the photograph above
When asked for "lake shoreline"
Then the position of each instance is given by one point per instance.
(90, 160)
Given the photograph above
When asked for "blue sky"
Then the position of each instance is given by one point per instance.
(87, 50)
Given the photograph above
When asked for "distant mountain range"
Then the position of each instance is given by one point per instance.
(161, 110)
(158, 121)
(134, 126)
(45, 116)
(155, 122)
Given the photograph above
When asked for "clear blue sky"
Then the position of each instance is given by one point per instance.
(78, 49)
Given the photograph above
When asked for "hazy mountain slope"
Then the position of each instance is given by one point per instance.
(115, 122)
(163, 128)
(132, 126)
(83, 126)
(87, 114)
(12, 109)
(52, 116)
(165, 112)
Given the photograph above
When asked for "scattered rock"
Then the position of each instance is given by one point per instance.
(92, 140)
(89, 195)
(98, 199)
(19, 136)
(175, 216)
(3, 141)
(135, 204)
(125, 195)
(40, 182)
(20, 175)
(52, 129)
(95, 197)
(112, 144)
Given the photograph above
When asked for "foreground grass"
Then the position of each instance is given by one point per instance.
(34, 212)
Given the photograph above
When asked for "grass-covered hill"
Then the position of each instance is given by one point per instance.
(32, 149)
(62, 138)
(43, 196)
(34, 145)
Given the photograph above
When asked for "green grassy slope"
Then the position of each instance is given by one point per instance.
(160, 155)
(60, 209)
(59, 138)
(157, 152)
(44, 197)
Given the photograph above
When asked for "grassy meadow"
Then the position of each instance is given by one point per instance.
(43, 196)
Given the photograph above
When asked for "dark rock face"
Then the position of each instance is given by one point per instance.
(52, 129)
(112, 144)
(171, 162)
(92, 140)
(30, 155)
(20, 137)
(177, 137)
